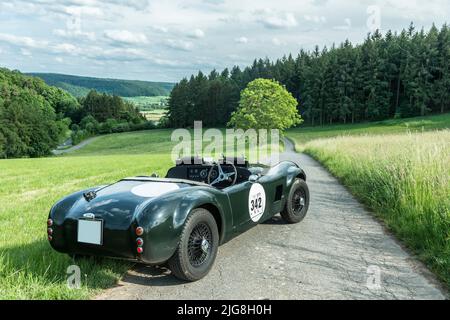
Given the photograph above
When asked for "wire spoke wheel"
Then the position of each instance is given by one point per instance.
(297, 204)
(298, 201)
(199, 244)
(197, 248)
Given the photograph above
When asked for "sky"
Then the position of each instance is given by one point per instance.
(168, 40)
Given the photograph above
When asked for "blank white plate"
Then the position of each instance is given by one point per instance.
(90, 231)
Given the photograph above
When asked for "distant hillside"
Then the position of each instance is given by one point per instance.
(33, 115)
(80, 86)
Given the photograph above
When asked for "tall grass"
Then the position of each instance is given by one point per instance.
(405, 179)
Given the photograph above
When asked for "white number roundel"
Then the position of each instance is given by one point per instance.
(256, 202)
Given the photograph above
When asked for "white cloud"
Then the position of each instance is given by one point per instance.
(84, 10)
(167, 40)
(127, 37)
(346, 26)
(67, 33)
(26, 52)
(59, 59)
(315, 18)
(277, 42)
(241, 40)
(22, 41)
(160, 29)
(179, 44)
(276, 20)
(67, 48)
(197, 33)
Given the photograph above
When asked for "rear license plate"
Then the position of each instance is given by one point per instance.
(90, 231)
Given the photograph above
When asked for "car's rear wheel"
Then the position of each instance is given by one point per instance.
(297, 203)
(197, 248)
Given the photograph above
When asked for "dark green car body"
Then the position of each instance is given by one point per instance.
(121, 210)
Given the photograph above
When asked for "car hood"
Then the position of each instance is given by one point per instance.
(117, 204)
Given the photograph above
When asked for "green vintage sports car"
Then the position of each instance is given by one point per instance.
(181, 219)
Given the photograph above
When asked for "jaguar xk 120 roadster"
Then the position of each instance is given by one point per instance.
(181, 219)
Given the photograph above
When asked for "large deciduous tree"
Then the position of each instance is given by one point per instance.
(265, 104)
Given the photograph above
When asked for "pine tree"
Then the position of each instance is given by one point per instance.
(404, 74)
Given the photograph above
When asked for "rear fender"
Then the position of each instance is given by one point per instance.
(163, 220)
(59, 211)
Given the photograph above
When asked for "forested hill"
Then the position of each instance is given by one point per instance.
(398, 74)
(33, 115)
(80, 86)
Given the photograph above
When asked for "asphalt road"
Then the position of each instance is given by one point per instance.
(338, 252)
(74, 148)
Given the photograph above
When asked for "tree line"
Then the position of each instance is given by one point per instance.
(392, 75)
(80, 86)
(35, 117)
(101, 113)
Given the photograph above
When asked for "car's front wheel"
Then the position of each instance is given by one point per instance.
(297, 203)
(197, 248)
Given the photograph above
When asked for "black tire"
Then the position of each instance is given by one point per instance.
(192, 261)
(297, 203)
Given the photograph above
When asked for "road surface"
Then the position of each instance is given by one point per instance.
(74, 148)
(338, 252)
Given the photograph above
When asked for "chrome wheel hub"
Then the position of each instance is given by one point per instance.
(205, 245)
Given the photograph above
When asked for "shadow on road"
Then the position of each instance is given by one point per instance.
(276, 220)
(151, 276)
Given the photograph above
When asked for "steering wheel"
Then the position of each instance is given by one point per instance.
(230, 177)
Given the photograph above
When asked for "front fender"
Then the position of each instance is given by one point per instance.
(163, 220)
(292, 173)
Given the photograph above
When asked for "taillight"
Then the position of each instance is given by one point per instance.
(50, 231)
(139, 250)
(50, 238)
(49, 222)
(139, 242)
(139, 231)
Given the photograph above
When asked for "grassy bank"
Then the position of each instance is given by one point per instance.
(304, 134)
(29, 268)
(405, 179)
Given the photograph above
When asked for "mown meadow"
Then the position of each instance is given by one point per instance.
(304, 134)
(403, 177)
(29, 268)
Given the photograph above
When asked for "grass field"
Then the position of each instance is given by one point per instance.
(304, 134)
(29, 268)
(400, 172)
(154, 115)
(149, 103)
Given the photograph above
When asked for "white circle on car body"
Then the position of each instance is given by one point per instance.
(256, 202)
(154, 189)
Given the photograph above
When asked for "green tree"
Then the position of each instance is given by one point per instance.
(265, 104)
(29, 125)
